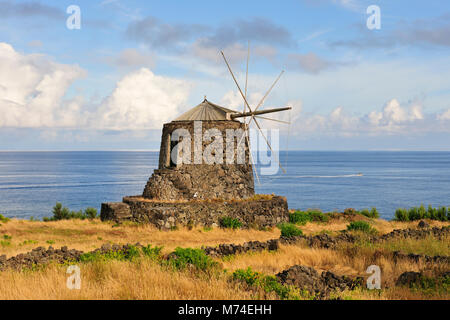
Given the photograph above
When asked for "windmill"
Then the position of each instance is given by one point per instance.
(252, 114)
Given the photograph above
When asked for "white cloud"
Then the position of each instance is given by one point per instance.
(234, 100)
(32, 89)
(33, 94)
(392, 119)
(393, 115)
(444, 116)
(143, 100)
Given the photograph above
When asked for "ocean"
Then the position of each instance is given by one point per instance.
(32, 182)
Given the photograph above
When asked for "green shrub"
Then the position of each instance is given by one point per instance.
(267, 283)
(365, 212)
(228, 222)
(59, 212)
(432, 213)
(302, 217)
(350, 211)
(7, 237)
(359, 226)
(401, 215)
(26, 242)
(152, 252)
(5, 243)
(90, 213)
(318, 216)
(372, 213)
(63, 213)
(128, 254)
(3, 218)
(299, 217)
(289, 230)
(418, 213)
(413, 214)
(422, 212)
(442, 214)
(252, 278)
(182, 257)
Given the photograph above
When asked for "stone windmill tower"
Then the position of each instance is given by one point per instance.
(205, 155)
(192, 170)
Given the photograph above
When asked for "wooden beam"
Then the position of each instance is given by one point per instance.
(255, 113)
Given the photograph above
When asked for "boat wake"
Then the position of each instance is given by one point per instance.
(329, 177)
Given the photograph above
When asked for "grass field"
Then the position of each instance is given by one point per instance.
(144, 278)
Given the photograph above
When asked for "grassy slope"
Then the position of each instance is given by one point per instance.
(143, 279)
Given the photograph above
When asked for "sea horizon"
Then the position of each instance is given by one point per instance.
(31, 182)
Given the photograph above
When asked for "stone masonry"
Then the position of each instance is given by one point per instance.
(167, 215)
(199, 180)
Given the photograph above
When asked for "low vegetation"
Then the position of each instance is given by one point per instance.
(63, 213)
(3, 218)
(231, 223)
(418, 213)
(181, 258)
(130, 254)
(372, 213)
(289, 230)
(302, 217)
(360, 226)
(267, 283)
(181, 270)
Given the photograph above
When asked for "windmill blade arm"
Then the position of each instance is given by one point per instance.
(268, 91)
(276, 120)
(235, 81)
(267, 141)
(255, 113)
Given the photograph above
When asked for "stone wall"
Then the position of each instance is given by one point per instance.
(194, 127)
(166, 215)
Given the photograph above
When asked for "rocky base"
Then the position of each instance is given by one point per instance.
(166, 215)
(201, 182)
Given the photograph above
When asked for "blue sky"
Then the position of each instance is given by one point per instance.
(135, 65)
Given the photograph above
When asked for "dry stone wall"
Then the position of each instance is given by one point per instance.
(167, 215)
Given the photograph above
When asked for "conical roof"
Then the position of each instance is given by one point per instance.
(205, 111)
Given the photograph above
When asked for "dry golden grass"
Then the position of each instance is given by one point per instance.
(382, 226)
(145, 279)
(341, 262)
(118, 280)
(87, 235)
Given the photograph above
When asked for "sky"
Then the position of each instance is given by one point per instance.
(134, 65)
